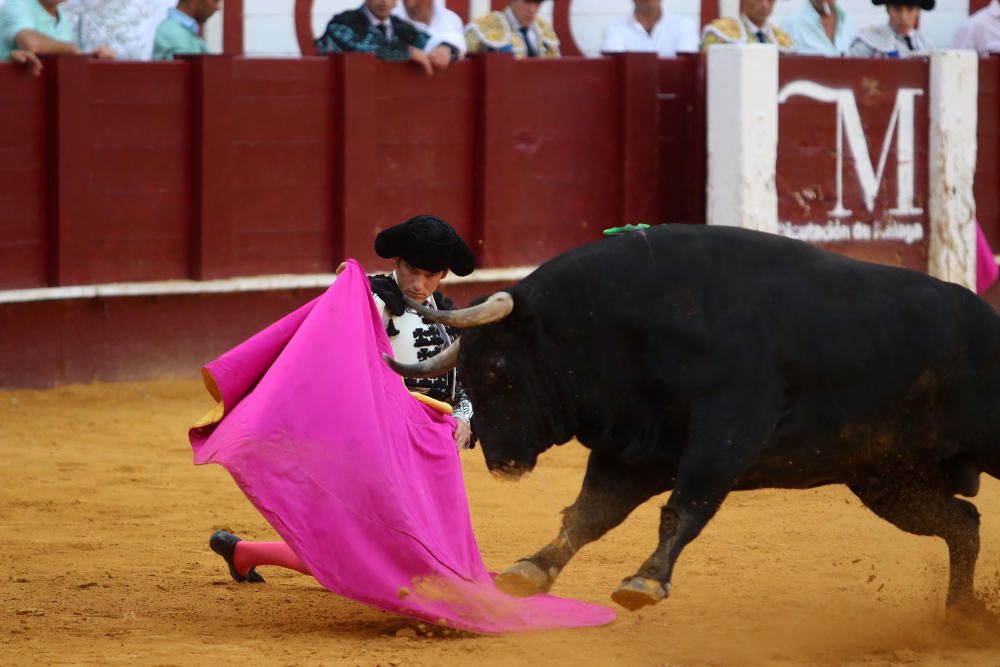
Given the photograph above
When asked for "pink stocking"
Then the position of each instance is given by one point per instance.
(252, 554)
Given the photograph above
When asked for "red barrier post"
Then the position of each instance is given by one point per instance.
(24, 225)
(682, 139)
(355, 159)
(232, 28)
(639, 80)
(498, 105)
(212, 106)
(69, 158)
(987, 182)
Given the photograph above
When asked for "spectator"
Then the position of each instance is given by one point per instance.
(178, 34)
(820, 27)
(127, 26)
(28, 59)
(518, 29)
(752, 27)
(373, 29)
(651, 29)
(981, 31)
(447, 40)
(41, 27)
(899, 38)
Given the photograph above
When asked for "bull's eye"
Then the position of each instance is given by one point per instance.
(494, 370)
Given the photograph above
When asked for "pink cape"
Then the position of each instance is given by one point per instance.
(361, 480)
(986, 265)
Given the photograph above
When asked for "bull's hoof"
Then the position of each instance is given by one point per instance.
(971, 609)
(638, 592)
(523, 579)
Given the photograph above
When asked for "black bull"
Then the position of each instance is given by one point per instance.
(705, 360)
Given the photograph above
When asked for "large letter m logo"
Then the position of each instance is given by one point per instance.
(849, 123)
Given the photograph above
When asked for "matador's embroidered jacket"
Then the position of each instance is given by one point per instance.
(415, 339)
(498, 31)
(743, 31)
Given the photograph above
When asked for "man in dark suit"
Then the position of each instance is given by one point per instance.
(373, 29)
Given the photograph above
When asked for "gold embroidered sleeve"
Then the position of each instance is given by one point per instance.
(722, 31)
(490, 31)
(783, 39)
(472, 41)
(548, 32)
(709, 39)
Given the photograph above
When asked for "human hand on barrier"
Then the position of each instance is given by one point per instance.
(422, 59)
(440, 57)
(104, 53)
(28, 59)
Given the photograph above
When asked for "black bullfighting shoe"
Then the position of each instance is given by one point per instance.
(224, 544)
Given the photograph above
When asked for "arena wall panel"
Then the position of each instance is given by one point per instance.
(277, 144)
(551, 161)
(24, 237)
(138, 161)
(424, 152)
(816, 177)
(987, 184)
(215, 167)
(681, 125)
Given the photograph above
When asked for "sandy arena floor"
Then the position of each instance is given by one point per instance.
(104, 525)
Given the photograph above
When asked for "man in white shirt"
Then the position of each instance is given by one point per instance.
(981, 31)
(443, 25)
(651, 29)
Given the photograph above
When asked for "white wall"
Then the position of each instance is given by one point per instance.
(269, 27)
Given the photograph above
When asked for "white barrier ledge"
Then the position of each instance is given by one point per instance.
(228, 285)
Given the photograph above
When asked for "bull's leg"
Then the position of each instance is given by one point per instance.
(609, 494)
(922, 508)
(702, 484)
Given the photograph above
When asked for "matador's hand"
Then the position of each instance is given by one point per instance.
(463, 433)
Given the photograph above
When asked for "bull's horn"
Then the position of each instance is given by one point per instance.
(495, 308)
(439, 364)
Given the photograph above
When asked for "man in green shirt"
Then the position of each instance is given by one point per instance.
(178, 33)
(39, 26)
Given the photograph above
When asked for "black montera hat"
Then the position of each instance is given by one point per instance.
(926, 5)
(429, 243)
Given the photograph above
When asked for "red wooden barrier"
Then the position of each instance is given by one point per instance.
(413, 150)
(216, 166)
(556, 151)
(272, 130)
(682, 157)
(24, 239)
(987, 184)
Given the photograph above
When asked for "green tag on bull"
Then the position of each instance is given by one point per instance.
(612, 231)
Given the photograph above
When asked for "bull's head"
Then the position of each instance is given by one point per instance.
(497, 377)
